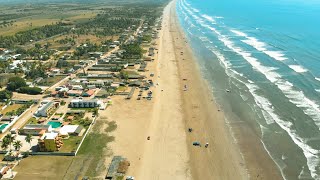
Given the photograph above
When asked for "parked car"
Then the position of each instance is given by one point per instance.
(196, 143)
(130, 178)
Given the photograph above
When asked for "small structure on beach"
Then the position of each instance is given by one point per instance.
(117, 168)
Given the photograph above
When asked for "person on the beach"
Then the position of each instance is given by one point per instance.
(207, 144)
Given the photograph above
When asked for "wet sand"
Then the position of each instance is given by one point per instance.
(169, 154)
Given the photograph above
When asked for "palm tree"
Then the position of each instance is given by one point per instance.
(17, 145)
(4, 144)
(29, 139)
(9, 138)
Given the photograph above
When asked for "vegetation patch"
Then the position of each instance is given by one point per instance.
(32, 120)
(71, 144)
(112, 125)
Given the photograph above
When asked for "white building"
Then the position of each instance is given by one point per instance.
(81, 103)
(71, 130)
(44, 108)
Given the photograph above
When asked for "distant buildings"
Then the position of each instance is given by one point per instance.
(80, 103)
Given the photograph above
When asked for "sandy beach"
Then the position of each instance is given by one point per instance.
(169, 154)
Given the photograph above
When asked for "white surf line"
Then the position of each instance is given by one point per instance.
(310, 153)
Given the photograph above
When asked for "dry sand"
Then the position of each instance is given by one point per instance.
(170, 153)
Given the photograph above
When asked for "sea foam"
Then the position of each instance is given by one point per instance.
(239, 33)
(310, 108)
(260, 46)
(298, 69)
(296, 97)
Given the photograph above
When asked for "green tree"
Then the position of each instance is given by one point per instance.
(4, 144)
(95, 111)
(124, 75)
(9, 139)
(62, 63)
(17, 145)
(5, 94)
(37, 46)
(29, 139)
(16, 83)
(30, 90)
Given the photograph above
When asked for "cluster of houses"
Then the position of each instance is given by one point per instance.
(75, 90)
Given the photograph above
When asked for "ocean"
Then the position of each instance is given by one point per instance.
(262, 60)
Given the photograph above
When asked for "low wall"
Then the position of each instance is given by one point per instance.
(52, 153)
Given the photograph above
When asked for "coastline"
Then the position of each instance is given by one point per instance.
(253, 160)
(223, 158)
(170, 153)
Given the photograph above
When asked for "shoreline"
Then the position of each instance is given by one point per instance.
(169, 154)
(251, 154)
(222, 159)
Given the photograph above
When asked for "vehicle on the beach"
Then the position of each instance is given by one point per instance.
(196, 143)
(129, 178)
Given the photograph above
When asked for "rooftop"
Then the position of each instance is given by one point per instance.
(37, 126)
(51, 135)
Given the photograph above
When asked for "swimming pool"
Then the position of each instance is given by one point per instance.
(2, 126)
(54, 124)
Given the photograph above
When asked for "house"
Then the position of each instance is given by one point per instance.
(76, 93)
(80, 103)
(7, 118)
(38, 80)
(102, 94)
(77, 87)
(112, 46)
(36, 129)
(95, 54)
(88, 93)
(55, 71)
(71, 130)
(135, 76)
(97, 83)
(56, 117)
(62, 89)
(45, 108)
(50, 142)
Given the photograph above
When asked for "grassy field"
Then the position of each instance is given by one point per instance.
(51, 80)
(43, 167)
(122, 89)
(10, 108)
(32, 121)
(24, 25)
(25, 18)
(88, 162)
(71, 144)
